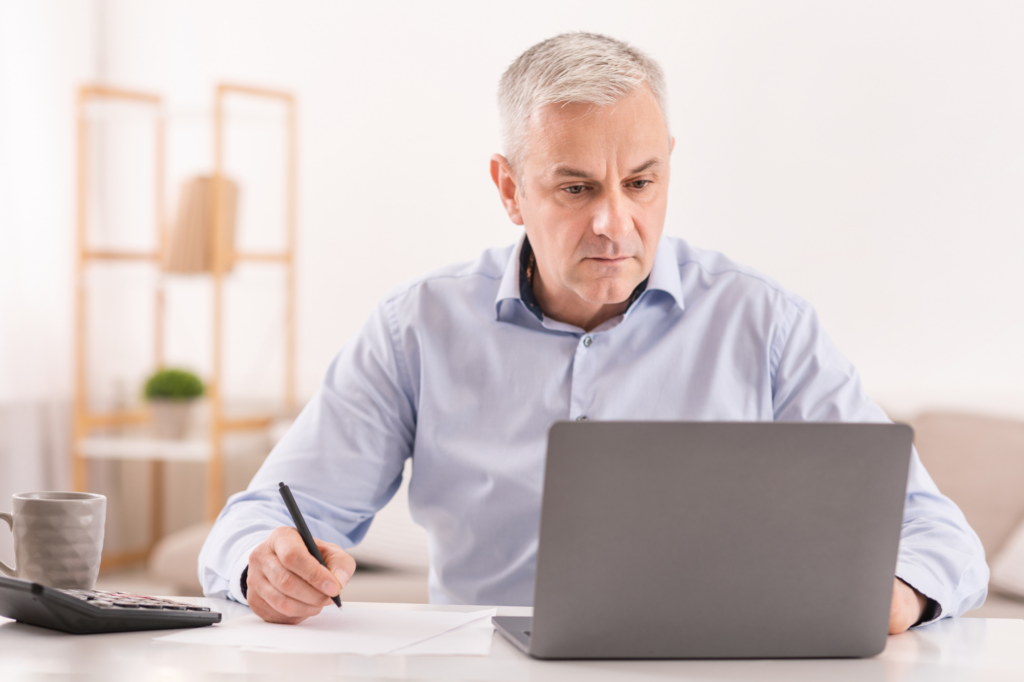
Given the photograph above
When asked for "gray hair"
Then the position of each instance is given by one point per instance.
(571, 68)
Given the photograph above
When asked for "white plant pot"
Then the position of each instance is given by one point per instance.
(171, 417)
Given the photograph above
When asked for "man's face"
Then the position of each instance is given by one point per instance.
(591, 193)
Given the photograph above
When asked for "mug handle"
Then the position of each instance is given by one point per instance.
(4, 567)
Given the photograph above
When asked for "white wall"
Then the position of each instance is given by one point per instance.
(46, 49)
(869, 156)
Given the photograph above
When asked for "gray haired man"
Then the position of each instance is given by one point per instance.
(592, 314)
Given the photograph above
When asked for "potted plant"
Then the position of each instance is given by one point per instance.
(170, 393)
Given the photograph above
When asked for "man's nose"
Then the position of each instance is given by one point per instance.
(611, 217)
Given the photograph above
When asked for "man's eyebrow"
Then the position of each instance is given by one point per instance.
(567, 172)
(646, 165)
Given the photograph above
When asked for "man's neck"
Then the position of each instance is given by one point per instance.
(579, 313)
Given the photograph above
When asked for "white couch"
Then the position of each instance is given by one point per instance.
(978, 461)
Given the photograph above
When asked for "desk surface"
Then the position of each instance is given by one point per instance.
(968, 648)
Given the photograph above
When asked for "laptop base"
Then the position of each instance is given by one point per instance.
(515, 629)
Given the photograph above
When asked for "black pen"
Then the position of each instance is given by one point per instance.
(307, 537)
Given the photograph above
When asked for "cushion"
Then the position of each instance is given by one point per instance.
(1008, 566)
(393, 540)
(175, 558)
(977, 461)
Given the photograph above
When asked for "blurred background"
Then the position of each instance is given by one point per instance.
(868, 156)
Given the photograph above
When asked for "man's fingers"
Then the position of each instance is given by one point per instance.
(273, 605)
(290, 584)
(262, 609)
(338, 561)
(292, 553)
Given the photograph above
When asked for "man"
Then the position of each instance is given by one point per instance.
(592, 315)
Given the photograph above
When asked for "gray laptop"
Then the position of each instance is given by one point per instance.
(716, 540)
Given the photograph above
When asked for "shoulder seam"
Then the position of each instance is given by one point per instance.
(423, 280)
(391, 319)
(790, 297)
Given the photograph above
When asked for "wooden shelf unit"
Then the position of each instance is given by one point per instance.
(85, 443)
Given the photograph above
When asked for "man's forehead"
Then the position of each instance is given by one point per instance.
(569, 139)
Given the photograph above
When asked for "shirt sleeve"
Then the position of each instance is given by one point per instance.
(342, 459)
(940, 555)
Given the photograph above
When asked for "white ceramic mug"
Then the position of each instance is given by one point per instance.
(58, 538)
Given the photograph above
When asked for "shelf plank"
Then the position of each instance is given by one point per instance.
(121, 255)
(246, 423)
(121, 418)
(266, 257)
(145, 449)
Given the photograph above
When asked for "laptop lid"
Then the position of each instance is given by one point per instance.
(718, 540)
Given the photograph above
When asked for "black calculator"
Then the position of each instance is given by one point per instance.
(83, 612)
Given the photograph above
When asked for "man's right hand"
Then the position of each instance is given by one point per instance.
(286, 584)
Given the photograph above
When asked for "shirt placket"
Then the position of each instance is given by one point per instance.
(583, 371)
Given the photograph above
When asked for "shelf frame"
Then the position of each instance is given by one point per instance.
(85, 421)
(224, 256)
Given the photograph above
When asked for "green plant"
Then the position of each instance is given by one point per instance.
(173, 384)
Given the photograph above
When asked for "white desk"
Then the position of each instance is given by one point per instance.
(965, 649)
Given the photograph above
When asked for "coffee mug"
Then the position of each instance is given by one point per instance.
(58, 538)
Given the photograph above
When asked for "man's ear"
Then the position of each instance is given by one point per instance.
(508, 190)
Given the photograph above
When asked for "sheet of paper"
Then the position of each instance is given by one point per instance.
(471, 639)
(367, 632)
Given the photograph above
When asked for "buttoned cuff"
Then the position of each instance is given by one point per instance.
(235, 589)
(922, 581)
(931, 613)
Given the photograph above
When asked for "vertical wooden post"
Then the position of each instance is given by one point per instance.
(157, 466)
(290, 351)
(161, 247)
(79, 472)
(84, 419)
(215, 468)
(156, 501)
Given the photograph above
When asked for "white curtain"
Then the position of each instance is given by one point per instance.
(46, 50)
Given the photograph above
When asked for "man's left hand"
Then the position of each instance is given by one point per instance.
(907, 606)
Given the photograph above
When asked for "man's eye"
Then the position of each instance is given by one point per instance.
(575, 189)
(639, 184)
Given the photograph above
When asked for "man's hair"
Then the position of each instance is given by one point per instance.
(571, 68)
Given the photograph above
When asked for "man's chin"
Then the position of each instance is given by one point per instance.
(606, 293)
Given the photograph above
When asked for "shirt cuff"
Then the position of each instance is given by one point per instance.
(923, 582)
(235, 587)
(930, 614)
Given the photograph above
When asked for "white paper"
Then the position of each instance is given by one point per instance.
(367, 632)
(471, 639)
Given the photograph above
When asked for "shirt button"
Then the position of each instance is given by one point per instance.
(587, 341)
(581, 418)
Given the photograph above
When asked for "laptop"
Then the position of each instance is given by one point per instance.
(716, 540)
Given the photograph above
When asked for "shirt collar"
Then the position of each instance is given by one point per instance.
(515, 284)
(508, 290)
(665, 273)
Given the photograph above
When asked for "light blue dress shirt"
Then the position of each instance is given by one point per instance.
(456, 372)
